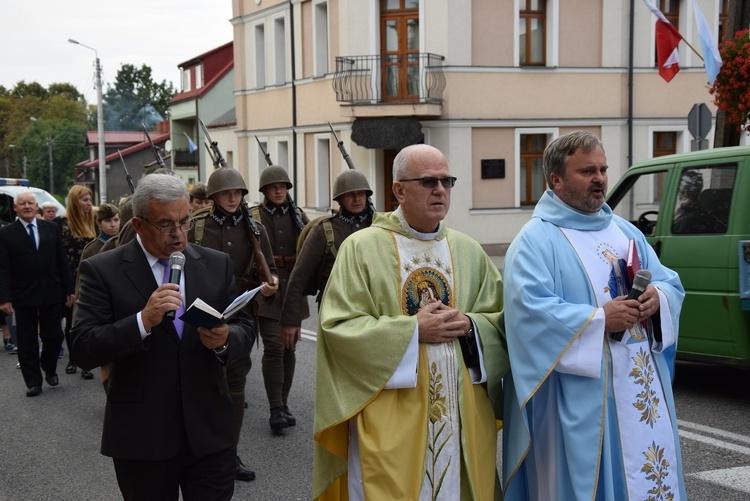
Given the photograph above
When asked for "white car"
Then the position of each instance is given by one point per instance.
(9, 188)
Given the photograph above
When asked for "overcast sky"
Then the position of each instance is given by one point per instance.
(159, 33)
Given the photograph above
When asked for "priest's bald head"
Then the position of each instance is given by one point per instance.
(422, 185)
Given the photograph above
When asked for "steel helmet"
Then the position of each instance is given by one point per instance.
(225, 178)
(274, 174)
(348, 181)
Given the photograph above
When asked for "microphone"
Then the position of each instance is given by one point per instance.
(640, 281)
(176, 263)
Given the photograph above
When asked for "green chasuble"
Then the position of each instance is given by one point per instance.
(366, 323)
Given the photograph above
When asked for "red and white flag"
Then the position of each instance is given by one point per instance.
(667, 39)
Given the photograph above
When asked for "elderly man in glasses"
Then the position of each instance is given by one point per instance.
(169, 420)
(410, 352)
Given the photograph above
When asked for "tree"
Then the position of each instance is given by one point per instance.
(60, 113)
(731, 90)
(65, 90)
(135, 98)
(65, 139)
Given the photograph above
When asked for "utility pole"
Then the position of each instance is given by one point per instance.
(50, 142)
(23, 152)
(100, 127)
(100, 124)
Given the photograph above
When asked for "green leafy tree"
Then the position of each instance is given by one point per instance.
(23, 89)
(136, 98)
(55, 109)
(67, 140)
(66, 90)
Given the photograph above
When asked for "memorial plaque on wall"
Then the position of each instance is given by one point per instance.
(493, 168)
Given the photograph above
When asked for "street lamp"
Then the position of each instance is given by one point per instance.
(50, 144)
(23, 152)
(100, 123)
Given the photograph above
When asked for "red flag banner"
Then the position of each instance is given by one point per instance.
(667, 39)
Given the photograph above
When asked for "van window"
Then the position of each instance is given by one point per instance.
(640, 203)
(704, 197)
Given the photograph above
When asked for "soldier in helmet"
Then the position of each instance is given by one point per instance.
(227, 227)
(318, 252)
(284, 222)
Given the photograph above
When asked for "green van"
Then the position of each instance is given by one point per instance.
(694, 209)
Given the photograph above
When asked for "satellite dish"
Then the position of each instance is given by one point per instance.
(168, 145)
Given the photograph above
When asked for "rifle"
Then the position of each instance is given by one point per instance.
(128, 178)
(265, 154)
(295, 213)
(264, 273)
(213, 148)
(350, 163)
(159, 160)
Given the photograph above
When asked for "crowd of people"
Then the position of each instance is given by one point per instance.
(425, 349)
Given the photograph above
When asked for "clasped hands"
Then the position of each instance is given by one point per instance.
(622, 313)
(439, 323)
(167, 298)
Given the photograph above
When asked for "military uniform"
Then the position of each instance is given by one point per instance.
(93, 247)
(318, 252)
(315, 261)
(231, 233)
(228, 233)
(278, 362)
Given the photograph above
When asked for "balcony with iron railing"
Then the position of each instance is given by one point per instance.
(390, 85)
(184, 158)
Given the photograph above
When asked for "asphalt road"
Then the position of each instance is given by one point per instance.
(50, 443)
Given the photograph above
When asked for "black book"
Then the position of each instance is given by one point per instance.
(201, 314)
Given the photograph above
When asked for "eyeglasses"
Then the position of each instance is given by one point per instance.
(431, 182)
(168, 230)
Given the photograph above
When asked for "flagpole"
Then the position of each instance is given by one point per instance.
(693, 49)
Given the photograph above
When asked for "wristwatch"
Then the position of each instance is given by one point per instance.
(221, 350)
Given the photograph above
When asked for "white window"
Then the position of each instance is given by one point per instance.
(186, 79)
(282, 153)
(322, 172)
(260, 56)
(199, 76)
(279, 35)
(320, 38)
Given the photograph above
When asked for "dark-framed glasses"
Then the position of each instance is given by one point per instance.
(431, 182)
(168, 230)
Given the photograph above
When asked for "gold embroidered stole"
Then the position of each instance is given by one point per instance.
(427, 275)
(644, 425)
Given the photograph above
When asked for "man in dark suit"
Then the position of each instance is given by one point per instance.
(35, 282)
(168, 422)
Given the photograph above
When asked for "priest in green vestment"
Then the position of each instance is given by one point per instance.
(411, 352)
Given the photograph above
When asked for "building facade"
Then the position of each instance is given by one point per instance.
(490, 83)
(207, 94)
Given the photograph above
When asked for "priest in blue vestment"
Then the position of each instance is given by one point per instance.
(587, 415)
